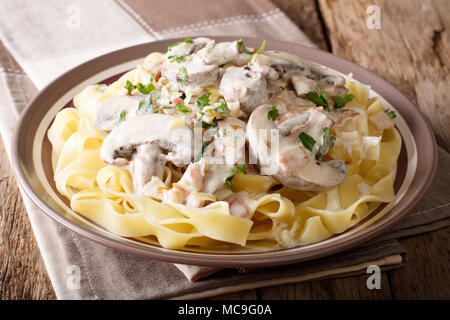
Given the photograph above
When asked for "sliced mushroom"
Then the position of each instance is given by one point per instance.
(246, 86)
(146, 163)
(193, 72)
(302, 84)
(107, 112)
(275, 65)
(189, 48)
(291, 163)
(219, 53)
(139, 144)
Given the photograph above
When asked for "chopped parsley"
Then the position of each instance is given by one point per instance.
(273, 113)
(222, 109)
(203, 100)
(322, 100)
(186, 40)
(241, 168)
(341, 101)
(145, 89)
(178, 59)
(326, 143)
(261, 48)
(319, 100)
(307, 141)
(122, 116)
(129, 86)
(182, 75)
(242, 48)
(391, 113)
(183, 108)
(146, 105)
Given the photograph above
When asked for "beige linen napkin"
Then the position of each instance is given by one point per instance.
(53, 39)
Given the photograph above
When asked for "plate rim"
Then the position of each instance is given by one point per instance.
(264, 258)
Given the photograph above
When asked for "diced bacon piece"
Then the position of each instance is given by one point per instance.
(238, 209)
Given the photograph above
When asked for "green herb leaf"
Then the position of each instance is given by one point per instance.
(273, 113)
(129, 86)
(183, 108)
(391, 113)
(146, 105)
(326, 143)
(206, 125)
(241, 168)
(319, 100)
(203, 100)
(178, 59)
(242, 48)
(340, 101)
(182, 75)
(223, 108)
(307, 141)
(122, 116)
(260, 49)
(186, 40)
(145, 89)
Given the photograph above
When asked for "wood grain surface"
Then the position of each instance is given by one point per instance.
(411, 51)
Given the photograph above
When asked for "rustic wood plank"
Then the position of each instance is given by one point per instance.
(343, 288)
(428, 274)
(240, 295)
(305, 14)
(411, 50)
(22, 271)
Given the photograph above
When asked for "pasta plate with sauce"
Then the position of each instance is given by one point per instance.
(216, 145)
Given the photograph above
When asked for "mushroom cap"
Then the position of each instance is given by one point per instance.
(106, 112)
(244, 85)
(121, 143)
(286, 159)
(283, 62)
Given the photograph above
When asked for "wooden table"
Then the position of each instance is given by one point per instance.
(412, 51)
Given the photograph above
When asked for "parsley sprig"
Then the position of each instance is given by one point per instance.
(241, 168)
(182, 75)
(178, 59)
(242, 48)
(122, 116)
(326, 143)
(129, 86)
(142, 88)
(307, 141)
(391, 113)
(203, 100)
(321, 100)
(260, 49)
(186, 40)
(145, 89)
(273, 113)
